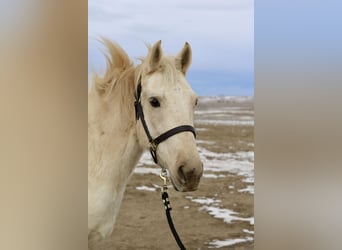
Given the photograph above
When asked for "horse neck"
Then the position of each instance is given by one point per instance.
(113, 146)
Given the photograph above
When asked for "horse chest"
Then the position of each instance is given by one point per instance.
(104, 210)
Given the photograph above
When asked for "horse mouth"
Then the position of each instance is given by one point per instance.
(184, 187)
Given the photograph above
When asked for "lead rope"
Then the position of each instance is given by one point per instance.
(167, 206)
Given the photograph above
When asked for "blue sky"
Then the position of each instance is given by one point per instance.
(220, 32)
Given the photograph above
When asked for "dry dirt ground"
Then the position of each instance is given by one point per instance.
(142, 223)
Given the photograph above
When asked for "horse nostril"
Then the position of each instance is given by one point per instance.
(181, 174)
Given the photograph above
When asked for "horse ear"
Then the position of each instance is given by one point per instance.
(183, 59)
(155, 56)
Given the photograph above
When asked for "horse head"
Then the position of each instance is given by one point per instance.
(167, 101)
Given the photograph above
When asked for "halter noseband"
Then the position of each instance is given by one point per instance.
(156, 141)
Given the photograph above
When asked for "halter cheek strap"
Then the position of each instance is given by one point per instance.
(139, 114)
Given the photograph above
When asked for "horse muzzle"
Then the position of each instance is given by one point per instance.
(187, 178)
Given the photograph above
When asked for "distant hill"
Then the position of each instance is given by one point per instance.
(220, 101)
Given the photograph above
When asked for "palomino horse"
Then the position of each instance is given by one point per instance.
(116, 139)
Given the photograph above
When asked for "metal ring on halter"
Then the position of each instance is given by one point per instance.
(153, 145)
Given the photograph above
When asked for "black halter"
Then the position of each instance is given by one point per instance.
(156, 141)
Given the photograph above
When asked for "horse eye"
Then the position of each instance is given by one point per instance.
(154, 102)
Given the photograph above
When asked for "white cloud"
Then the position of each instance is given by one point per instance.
(220, 32)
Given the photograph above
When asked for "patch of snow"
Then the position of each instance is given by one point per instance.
(239, 111)
(145, 159)
(157, 186)
(221, 213)
(247, 231)
(225, 122)
(214, 176)
(249, 179)
(240, 163)
(209, 112)
(226, 111)
(204, 200)
(226, 214)
(205, 142)
(228, 242)
(242, 155)
(235, 99)
(145, 188)
(248, 189)
(201, 129)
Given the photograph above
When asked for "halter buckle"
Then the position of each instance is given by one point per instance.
(153, 146)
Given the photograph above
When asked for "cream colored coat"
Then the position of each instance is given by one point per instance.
(116, 140)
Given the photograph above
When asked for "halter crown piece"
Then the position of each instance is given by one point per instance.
(139, 114)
